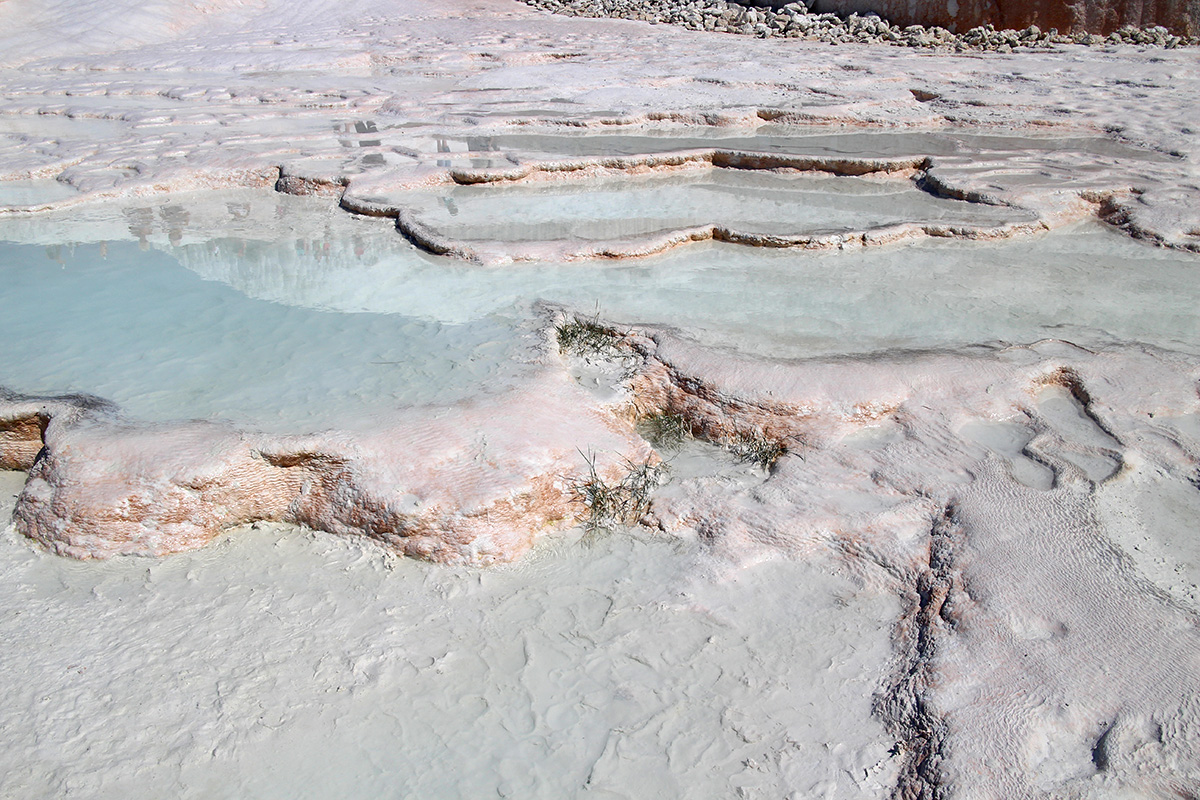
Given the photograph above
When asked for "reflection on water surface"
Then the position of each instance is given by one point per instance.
(289, 313)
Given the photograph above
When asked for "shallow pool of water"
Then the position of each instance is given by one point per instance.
(289, 314)
(34, 192)
(759, 202)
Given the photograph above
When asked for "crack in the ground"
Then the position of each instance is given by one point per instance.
(905, 705)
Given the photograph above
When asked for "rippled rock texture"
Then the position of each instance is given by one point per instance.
(973, 485)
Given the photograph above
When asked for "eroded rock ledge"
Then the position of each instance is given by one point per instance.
(471, 483)
(1031, 211)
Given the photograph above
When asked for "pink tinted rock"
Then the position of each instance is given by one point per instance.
(477, 482)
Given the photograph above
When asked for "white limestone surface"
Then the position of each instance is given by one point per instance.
(215, 93)
(962, 565)
(279, 663)
(1037, 658)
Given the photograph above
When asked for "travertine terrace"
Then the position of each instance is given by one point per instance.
(884, 365)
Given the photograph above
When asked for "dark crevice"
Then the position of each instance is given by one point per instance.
(904, 704)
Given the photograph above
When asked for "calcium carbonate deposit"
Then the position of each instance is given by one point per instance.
(425, 399)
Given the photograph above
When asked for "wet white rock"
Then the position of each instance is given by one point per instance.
(937, 537)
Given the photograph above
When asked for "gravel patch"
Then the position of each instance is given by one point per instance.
(797, 21)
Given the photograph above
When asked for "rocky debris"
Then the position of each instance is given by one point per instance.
(797, 21)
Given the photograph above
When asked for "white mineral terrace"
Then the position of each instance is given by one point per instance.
(764, 418)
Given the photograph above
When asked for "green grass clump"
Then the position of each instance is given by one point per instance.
(622, 503)
(586, 337)
(666, 431)
(753, 447)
